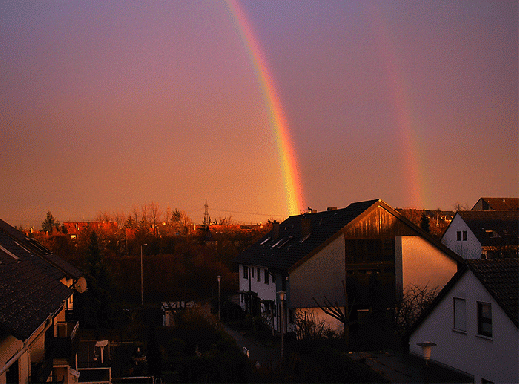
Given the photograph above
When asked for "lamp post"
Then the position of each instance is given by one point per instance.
(218, 278)
(282, 295)
(142, 278)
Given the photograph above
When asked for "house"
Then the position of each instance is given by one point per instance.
(37, 325)
(483, 234)
(367, 252)
(473, 323)
(497, 204)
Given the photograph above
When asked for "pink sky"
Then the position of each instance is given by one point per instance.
(107, 105)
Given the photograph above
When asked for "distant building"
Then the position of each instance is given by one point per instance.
(38, 327)
(483, 234)
(473, 323)
(75, 228)
(497, 204)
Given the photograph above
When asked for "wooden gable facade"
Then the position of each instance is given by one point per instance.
(366, 264)
(370, 256)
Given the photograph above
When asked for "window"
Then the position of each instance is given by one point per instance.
(259, 274)
(245, 272)
(266, 276)
(459, 235)
(485, 319)
(460, 314)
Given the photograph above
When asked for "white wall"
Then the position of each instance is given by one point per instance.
(264, 291)
(469, 249)
(495, 359)
(419, 263)
(319, 276)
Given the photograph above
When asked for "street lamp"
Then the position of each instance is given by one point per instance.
(282, 295)
(218, 278)
(142, 278)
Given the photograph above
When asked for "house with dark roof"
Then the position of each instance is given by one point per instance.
(497, 204)
(358, 257)
(483, 234)
(472, 325)
(37, 325)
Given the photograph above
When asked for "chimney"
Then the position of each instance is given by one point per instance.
(305, 226)
(275, 230)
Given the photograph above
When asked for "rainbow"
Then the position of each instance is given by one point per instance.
(406, 124)
(286, 153)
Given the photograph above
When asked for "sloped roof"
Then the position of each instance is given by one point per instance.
(498, 203)
(500, 277)
(293, 241)
(493, 228)
(39, 250)
(30, 286)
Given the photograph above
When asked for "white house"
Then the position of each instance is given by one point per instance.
(483, 234)
(314, 256)
(473, 323)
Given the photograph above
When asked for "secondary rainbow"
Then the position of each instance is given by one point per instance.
(406, 123)
(287, 157)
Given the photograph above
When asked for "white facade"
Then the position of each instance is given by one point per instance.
(461, 240)
(321, 276)
(253, 279)
(459, 343)
(420, 264)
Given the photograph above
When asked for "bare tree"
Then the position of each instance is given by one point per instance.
(154, 215)
(412, 304)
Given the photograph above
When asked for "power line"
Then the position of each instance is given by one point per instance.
(247, 213)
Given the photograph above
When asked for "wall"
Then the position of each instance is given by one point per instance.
(419, 263)
(494, 359)
(264, 291)
(319, 276)
(470, 249)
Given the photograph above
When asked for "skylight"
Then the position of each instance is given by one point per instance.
(9, 252)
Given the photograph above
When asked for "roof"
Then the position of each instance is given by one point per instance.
(30, 286)
(500, 277)
(39, 250)
(493, 228)
(497, 204)
(298, 236)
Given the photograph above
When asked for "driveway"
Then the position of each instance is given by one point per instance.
(266, 355)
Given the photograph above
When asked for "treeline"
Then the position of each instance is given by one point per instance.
(179, 262)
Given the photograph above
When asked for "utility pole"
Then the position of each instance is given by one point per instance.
(142, 278)
(282, 299)
(219, 301)
(207, 219)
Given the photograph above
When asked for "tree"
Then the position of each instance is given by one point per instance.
(411, 305)
(49, 223)
(97, 305)
(424, 223)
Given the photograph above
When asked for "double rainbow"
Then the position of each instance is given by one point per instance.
(286, 153)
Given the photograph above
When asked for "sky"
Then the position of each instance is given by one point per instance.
(259, 108)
